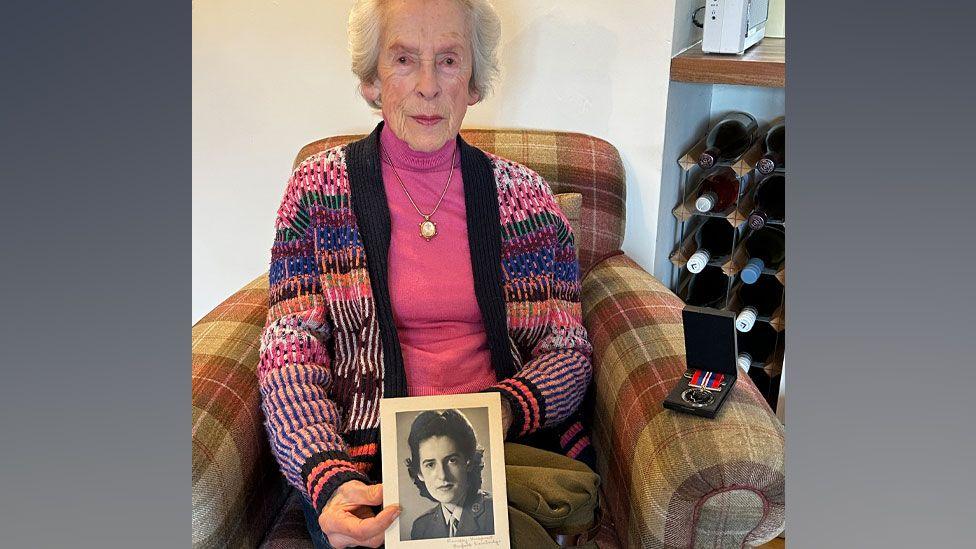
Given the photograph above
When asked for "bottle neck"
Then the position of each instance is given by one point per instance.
(708, 158)
(706, 201)
(744, 360)
(746, 319)
(698, 260)
(769, 162)
(758, 219)
(752, 271)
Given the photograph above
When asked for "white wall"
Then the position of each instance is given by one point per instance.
(269, 77)
(776, 22)
(763, 103)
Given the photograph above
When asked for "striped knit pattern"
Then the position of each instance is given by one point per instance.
(569, 162)
(322, 416)
(542, 295)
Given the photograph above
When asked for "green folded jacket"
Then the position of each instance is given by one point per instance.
(547, 492)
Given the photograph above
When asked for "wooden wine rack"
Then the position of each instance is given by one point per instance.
(736, 214)
(740, 257)
(741, 166)
(683, 252)
(777, 319)
(765, 375)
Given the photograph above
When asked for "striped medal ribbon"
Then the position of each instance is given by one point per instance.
(710, 381)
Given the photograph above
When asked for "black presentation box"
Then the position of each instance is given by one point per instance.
(710, 346)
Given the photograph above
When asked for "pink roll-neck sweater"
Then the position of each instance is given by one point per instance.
(444, 345)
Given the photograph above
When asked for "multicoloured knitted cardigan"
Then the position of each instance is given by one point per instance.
(329, 350)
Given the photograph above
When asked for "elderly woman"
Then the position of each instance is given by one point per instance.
(411, 263)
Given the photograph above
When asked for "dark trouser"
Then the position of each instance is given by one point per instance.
(546, 491)
(319, 540)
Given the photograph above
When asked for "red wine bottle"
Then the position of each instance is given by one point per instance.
(756, 346)
(714, 239)
(728, 139)
(766, 248)
(769, 201)
(708, 288)
(759, 299)
(718, 190)
(775, 145)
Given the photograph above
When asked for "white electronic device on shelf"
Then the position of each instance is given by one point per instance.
(732, 26)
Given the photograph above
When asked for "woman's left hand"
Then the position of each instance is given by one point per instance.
(348, 521)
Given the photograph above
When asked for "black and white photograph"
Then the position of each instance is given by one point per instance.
(443, 463)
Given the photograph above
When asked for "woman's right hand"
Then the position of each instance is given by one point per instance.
(347, 519)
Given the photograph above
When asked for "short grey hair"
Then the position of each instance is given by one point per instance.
(366, 18)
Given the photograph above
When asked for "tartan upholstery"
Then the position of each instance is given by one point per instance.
(714, 530)
(237, 487)
(569, 162)
(713, 483)
(571, 204)
(673, 480)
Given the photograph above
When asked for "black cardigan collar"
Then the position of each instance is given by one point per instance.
(368, 197)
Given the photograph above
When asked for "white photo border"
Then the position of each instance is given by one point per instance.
(391, 489)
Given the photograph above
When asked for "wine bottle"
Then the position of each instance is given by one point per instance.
(718, 190)
(708, 288)
(766, 248)
(759, 299)
(714, 239)
(728, 139)
(769, 201)
(775, 145)
(756, 346)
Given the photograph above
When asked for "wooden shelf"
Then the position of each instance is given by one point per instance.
(761, 65)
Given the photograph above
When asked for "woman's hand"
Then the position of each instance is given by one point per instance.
(347, 519)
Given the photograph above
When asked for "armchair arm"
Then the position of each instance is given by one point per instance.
(673, 480)
(237, 487)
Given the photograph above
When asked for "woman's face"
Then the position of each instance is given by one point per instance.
(443, 469)
(424, 71)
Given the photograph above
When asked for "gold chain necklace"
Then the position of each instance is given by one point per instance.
(428, 229)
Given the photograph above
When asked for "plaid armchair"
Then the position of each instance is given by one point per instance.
(669, 480)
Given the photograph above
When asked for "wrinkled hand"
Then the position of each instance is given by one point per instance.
(347, 519)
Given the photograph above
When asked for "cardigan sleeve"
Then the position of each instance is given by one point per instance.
(553, 381)
(294, 365)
